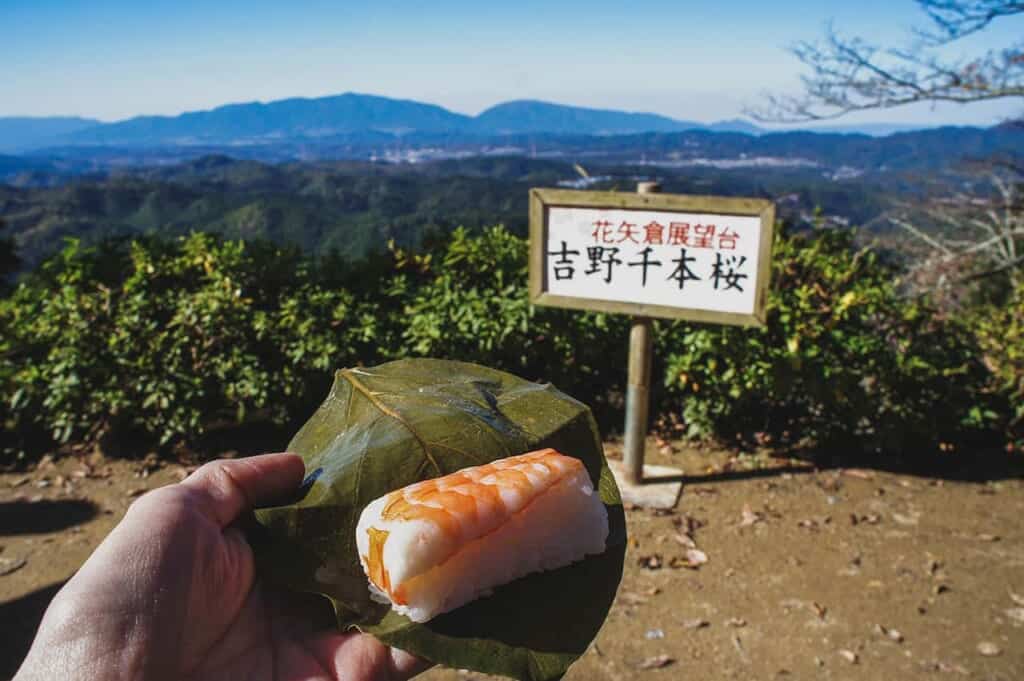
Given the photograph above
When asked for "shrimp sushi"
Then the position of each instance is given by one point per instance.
(438, 544)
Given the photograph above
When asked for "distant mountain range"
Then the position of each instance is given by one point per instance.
(353, 117)
(19, 133)
(528, 117)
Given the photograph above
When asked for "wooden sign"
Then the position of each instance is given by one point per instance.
(703, 258)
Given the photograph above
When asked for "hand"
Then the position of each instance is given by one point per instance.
(171, 593)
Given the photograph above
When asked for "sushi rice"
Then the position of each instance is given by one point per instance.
(438, 544)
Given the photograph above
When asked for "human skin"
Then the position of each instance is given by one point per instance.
(172, 593)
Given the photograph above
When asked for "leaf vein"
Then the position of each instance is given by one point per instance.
(384, 409)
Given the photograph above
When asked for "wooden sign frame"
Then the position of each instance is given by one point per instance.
(541, 200)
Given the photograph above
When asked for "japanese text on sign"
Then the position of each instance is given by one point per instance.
(695, 261)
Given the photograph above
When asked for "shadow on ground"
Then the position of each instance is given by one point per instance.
(19, 620)
(24, 517)
(962, 467)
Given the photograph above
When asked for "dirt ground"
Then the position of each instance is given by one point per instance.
(835, 573)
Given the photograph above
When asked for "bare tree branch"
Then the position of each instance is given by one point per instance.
(997, 270)
(852, 74)
(923, 236)
(988, 224)
(955, 19)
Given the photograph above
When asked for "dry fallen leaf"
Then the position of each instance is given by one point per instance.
(737, 643)
(695, 624)
(819, 609)
(749, 517)
(685, 539)
(657, 662)
(849, 656)
(868, 518)
(737, 622)
(651, 562)
(1016, 614)
(945, 667)
(693, 559)
(989, 649)
(9, 565)
(891, 634)
(687, 524)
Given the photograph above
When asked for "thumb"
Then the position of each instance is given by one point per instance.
(227, 488)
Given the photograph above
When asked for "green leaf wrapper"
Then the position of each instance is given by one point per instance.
(386, 427)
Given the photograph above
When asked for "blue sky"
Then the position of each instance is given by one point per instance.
(694, 60)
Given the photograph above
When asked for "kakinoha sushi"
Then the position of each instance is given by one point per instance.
(435, 545)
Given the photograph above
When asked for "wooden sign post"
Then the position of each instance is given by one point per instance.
(638, 386)
(701, 258)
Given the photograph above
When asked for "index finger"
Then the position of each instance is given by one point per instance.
(361, 657)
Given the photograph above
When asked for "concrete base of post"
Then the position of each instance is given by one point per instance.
(660, 489)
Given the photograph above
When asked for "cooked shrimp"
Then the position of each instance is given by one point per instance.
(468, 504)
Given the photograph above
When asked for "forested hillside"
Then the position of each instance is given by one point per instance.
(355, 208)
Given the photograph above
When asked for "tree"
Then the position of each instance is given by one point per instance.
(971, 235)
(853, 74)
(975, 234)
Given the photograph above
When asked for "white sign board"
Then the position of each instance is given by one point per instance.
(659, 261)
(687, 260)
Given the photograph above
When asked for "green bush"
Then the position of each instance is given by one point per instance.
(54, 331)
(1000, 332)
(471, 303)
(843, 361)
(164, 338)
